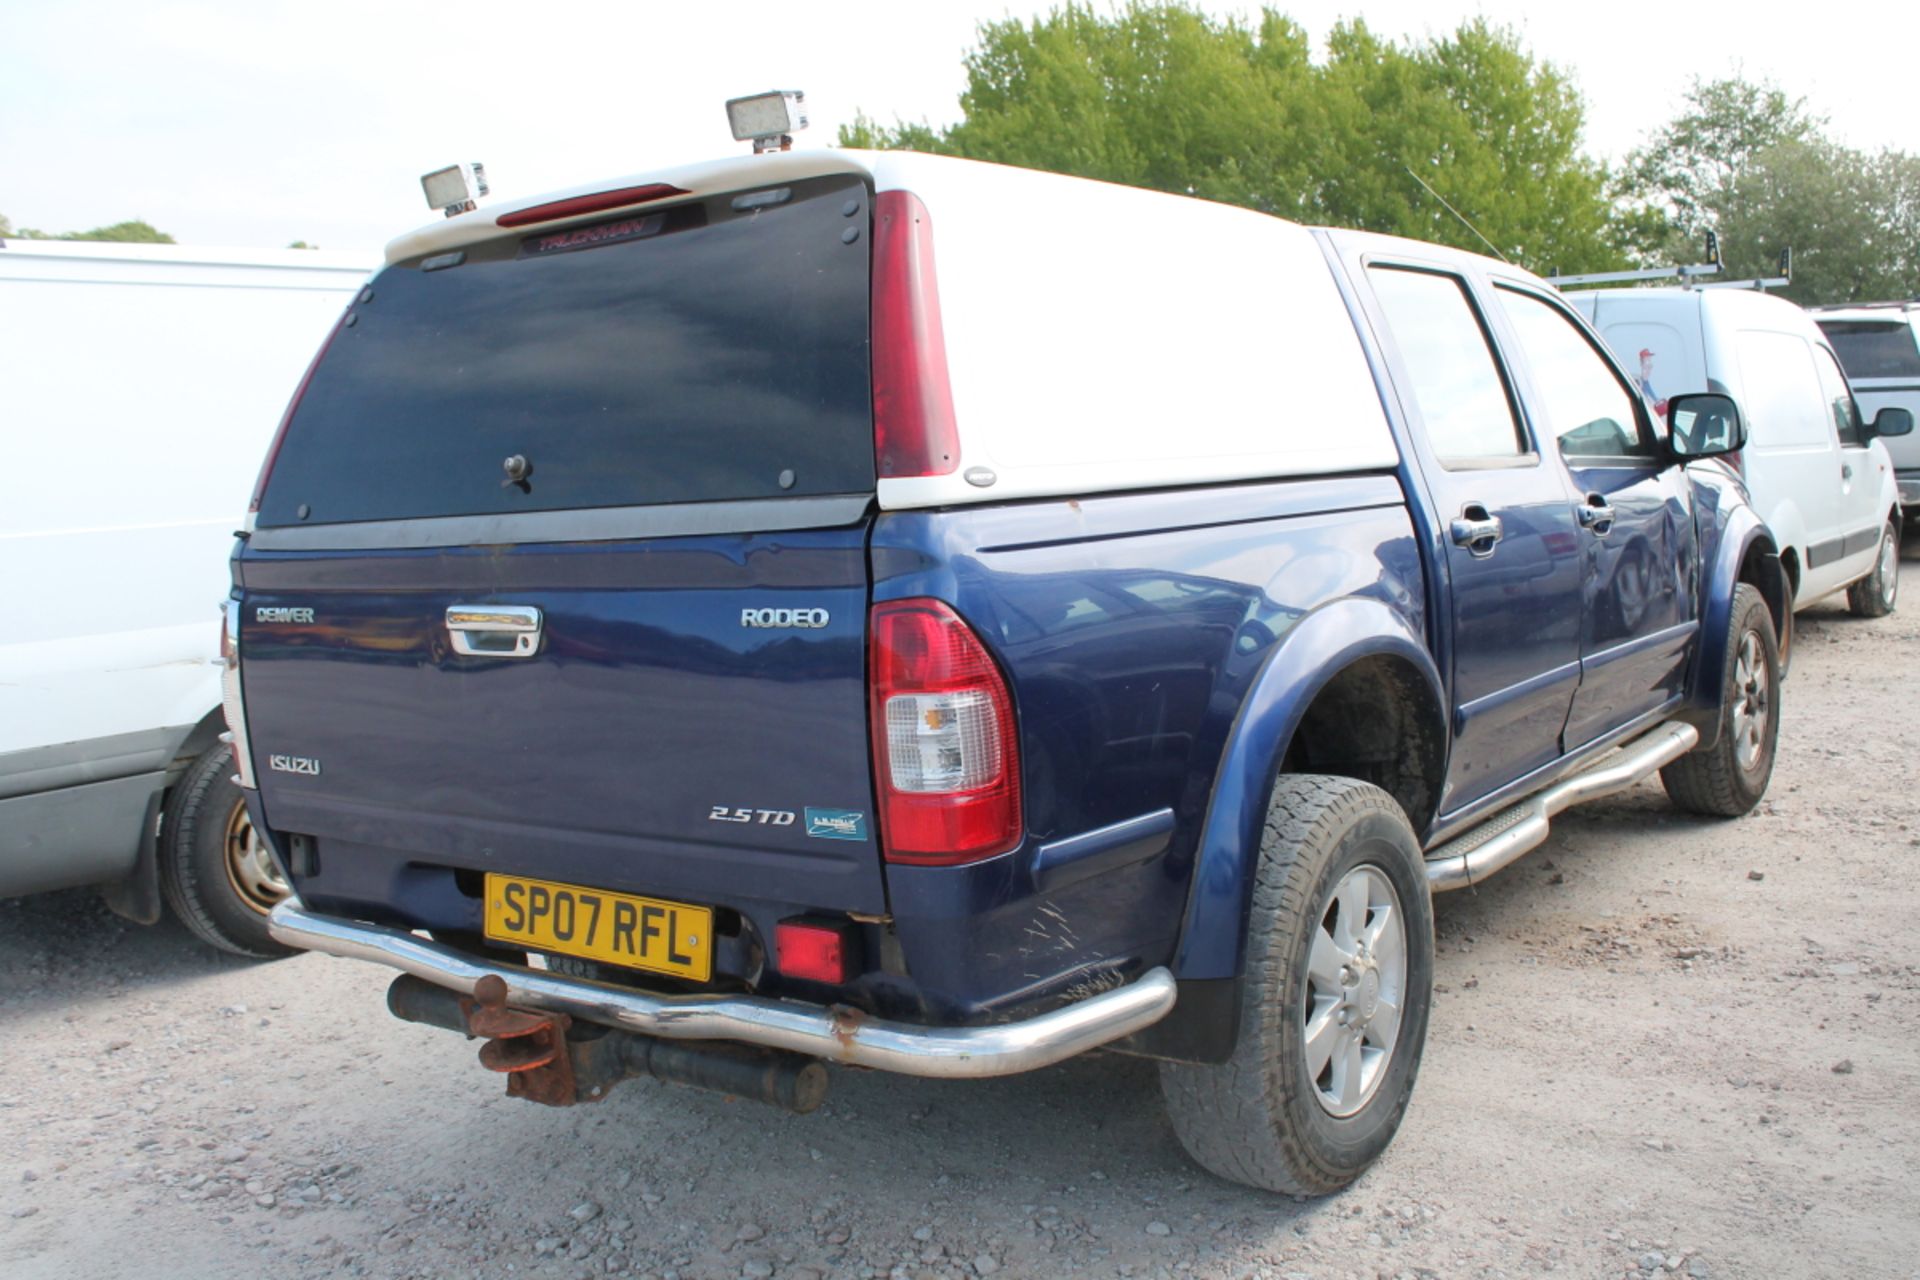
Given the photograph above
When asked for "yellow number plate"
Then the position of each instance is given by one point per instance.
(614, 928)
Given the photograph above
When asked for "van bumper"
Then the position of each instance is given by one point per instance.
(840, 1034)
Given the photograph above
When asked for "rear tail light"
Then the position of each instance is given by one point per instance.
(232, 705)
(945, 750)
(913, 424)
(280, 435)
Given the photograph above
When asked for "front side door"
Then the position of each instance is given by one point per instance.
(1513, 555)
(1861, 475)
(1638, 611)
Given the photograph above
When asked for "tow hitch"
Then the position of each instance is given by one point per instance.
(550, 1058)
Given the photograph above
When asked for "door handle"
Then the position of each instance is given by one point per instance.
(494, 630)
(1477, 530)
(1596, 515)
(1846, 471)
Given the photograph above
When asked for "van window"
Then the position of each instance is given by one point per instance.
(1839, 397)
(1589, 408)
(1874, 348)
(1782, 405)
(694, 354)
(1462, 398)
(1657, 359)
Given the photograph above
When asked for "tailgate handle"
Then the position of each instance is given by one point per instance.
(494, 630)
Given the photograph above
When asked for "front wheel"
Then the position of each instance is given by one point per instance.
(1875, 595)
(1728, 778)
(1334, 999)
(215, 870)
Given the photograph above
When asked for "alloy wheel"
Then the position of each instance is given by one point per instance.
(1355, 990)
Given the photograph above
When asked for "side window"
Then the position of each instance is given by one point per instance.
(1461, 396)
(1839, 398)
(1589, 408)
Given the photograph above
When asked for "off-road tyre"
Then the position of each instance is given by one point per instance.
(194, 876)
(1714, 780)
(1875, 595)
(1256, 1118)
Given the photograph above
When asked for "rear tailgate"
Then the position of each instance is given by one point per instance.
(688, 390)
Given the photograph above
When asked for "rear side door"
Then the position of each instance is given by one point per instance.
(1635, 515)
(1861, 475)
(1513, 555)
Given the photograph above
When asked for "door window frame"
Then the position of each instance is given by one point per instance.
(1531, 454)
(1862, 440)
(1655, 456)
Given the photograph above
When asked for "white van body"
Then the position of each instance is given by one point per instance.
(1823, 486)
(1879, 346)
(142, 385)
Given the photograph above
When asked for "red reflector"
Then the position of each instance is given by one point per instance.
(817, 952)
(280, 434)
(946, 754)
(598, 202)
(914, 433)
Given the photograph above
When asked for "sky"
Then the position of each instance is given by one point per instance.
(258, 123)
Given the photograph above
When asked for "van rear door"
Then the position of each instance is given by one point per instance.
(560, 568)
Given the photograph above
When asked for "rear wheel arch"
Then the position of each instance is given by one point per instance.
(1346, 654)
(1377, 720)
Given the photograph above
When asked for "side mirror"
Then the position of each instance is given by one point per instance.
(1892, 421)
(1705, 426)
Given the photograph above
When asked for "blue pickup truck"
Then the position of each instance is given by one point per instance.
(888, 611)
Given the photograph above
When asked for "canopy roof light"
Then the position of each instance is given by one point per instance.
(455, 188)
(768, 120)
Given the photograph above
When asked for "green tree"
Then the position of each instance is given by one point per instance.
(1161, 95)
(1747, 161)
(1848, 217)
(132, 232)
(1674, 187)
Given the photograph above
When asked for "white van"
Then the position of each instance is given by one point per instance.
(1818, 473)
(1879, 346)
(143, 383)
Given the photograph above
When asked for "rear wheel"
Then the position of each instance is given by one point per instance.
(1875, 595)
(215, 870)
(1333, 1015)
(1728, 778)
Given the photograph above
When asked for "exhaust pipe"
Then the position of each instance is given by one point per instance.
(594, 1058)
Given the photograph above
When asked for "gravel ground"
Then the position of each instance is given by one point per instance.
(1660, 1045)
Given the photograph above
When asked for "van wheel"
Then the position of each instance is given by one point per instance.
(1875, 595)
(1334, 998)
(1729, 777)
(215, 870)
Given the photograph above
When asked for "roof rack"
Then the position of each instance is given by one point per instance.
(1687, 275)
(1897, 304)
(1710, 267)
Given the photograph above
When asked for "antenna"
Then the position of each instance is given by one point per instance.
(1456, 213)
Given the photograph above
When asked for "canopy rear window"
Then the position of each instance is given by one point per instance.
(1874, 348)
(703, 352)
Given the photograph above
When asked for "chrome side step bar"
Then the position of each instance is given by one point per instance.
(1470, 858)
(836, 1034)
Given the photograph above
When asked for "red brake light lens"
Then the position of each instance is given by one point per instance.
(914, 433)
(946, 753)
(817, 952)
(280, 435)
(598, 202)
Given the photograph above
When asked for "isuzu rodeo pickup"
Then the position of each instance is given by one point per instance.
(896, 612)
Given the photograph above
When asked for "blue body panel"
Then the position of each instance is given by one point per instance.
(1133, 630)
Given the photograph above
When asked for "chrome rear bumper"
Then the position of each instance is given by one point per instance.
(838, 1034)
